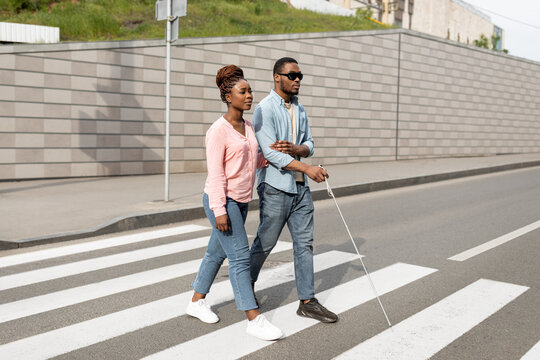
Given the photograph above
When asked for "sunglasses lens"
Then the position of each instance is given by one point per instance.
(293, 76)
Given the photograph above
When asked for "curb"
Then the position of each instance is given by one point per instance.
(134, 222)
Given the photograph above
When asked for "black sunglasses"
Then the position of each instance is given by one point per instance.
(293, 75)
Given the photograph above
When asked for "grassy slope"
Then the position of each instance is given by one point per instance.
(90, 20)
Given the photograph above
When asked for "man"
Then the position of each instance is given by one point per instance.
(282, 130)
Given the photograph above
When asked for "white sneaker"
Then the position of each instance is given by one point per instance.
(201, 310)
(263, 329)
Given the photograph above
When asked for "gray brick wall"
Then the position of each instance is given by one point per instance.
(94, 109)
(460, 101)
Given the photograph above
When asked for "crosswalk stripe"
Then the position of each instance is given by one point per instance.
(533, 353)
(38, 304)
(232, 342)
(97, 245)
(56, 300)
(79, 267)
(465, 255)
(73, 337)
(427, 332)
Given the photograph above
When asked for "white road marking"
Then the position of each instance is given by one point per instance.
(427, 332)
(39, 255)
(79, 267)
(73, 337)
(533, 353)
(232, 342)
(465, 255)
(38, 304)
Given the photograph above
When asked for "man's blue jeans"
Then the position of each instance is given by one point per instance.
(232, 245)
(278, 208)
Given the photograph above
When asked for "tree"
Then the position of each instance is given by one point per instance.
(490, 44)
(483, 42)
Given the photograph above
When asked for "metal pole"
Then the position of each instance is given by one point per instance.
(168, 101)
(397, 96)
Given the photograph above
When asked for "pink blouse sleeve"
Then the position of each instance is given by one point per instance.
(215, 154)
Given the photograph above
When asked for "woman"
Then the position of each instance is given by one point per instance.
(232, 159)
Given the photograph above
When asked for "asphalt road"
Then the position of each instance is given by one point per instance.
(124, 298)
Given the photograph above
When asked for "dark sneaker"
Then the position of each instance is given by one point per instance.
(313, 309)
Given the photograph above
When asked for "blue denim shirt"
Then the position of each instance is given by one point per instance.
(272, 122)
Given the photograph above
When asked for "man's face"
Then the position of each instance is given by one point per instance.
(290, 87)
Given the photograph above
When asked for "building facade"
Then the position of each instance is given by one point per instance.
(449, 19)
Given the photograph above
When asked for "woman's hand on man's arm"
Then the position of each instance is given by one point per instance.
(288, 147)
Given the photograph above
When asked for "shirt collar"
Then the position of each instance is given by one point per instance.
(279, 99)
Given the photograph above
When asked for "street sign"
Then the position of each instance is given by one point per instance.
(174, 29)
(178, 9)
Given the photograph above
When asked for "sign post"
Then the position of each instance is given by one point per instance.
(169, 10)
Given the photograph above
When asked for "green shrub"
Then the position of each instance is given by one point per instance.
(83, 20)
(25, 5)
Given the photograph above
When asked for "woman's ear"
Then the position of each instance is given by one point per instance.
(228, 97)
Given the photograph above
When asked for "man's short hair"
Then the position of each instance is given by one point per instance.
(282, 62)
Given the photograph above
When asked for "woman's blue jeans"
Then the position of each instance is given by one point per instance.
(233, 245)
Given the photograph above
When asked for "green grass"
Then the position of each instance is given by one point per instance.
(91, 20)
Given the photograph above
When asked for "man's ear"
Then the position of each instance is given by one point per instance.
(276, 78)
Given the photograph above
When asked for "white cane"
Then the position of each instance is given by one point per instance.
(331, 193)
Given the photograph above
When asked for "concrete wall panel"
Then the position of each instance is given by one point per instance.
(97, 109)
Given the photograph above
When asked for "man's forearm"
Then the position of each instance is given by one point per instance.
(296, 165)
(313, 172)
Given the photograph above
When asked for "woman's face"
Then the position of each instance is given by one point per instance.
(241, 96)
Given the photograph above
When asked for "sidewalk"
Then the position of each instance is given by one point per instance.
(44, 211)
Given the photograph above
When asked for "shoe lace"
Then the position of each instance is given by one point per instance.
(260, 320)
(204, 303)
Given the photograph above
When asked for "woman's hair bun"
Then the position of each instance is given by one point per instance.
(226, 78)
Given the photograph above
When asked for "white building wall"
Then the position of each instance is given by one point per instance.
(321, 6)
(348, 4)
(23, 33)
(449, 17)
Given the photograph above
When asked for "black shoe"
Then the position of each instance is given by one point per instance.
(255, 296)
(313, 309)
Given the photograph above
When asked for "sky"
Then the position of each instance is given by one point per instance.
(520, 40)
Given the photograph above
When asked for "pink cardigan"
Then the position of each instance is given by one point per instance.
(232, 161)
